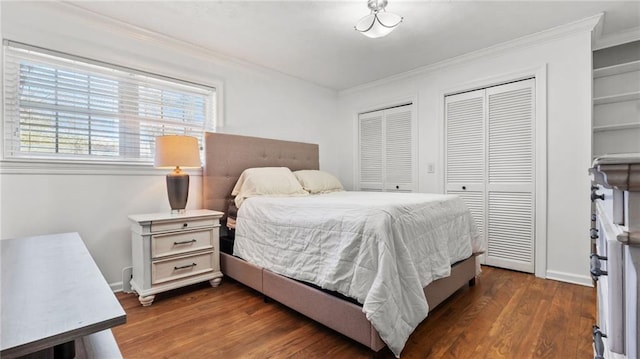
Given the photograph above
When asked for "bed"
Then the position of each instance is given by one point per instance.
(226, 157)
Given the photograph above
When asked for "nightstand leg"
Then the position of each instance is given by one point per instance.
(146, 301)
(215, 282)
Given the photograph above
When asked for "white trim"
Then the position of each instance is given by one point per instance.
(116, 287)
(596, 33)
(398, 101)
(540, 76)
(85, 168)
(619, 38)
(541, 172)
(491, 51)
(415, 137)
(1, 121)
(491, 81)
(570, 278)
(356, 151)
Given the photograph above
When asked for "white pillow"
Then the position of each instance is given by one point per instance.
(271, 181)
(316, 181)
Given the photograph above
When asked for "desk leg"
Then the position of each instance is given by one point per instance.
(65, 350)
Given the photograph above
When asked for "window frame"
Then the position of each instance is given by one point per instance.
(86, 165)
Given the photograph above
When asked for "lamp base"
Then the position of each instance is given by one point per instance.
(178, 191)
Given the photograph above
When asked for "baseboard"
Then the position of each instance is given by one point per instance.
(570, 278)
(116, 287)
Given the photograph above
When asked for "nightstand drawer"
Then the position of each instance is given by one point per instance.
(177, 268)
(166, 226)
(163, 245)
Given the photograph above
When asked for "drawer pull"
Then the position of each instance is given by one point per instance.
(185, 267)
(593, 232)
(595, 266)
(595, 196)
(184, 242)
(184, 225)
(598, 344)
(594, 187)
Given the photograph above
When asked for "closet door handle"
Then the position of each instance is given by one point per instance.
(595, 267)
(598, 344)
(595, 196)
(464, 187)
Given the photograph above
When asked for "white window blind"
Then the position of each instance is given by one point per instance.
(61, 107)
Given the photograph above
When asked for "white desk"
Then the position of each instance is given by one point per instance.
(52, 293)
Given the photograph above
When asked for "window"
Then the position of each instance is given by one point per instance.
(60, 107)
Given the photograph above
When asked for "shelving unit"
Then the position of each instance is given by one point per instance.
(616, 69)
(622, 126)
(616, 106)
(629, 96)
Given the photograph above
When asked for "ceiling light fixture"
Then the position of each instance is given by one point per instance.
(380, 22)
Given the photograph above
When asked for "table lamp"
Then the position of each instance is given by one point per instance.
(174, 152)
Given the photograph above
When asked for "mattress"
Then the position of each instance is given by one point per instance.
(379, 248)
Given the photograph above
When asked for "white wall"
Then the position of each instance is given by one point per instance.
(566, 54)
(95, 201)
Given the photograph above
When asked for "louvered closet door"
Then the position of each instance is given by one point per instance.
(510, 176)
(371, 151)
(465, 152)
(399, 143)
(387, 140)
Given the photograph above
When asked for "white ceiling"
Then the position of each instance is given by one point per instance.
(316, 41)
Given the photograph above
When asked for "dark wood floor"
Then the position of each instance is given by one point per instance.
(506, 315)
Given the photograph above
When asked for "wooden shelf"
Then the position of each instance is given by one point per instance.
(616, 69)
(629, 96)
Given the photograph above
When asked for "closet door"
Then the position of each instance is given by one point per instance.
(370, 151)
(490, 165)
(465, 152)
(510, 175)
(399, 144)
(386, 146)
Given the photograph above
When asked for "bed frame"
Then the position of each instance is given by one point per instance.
(226, 156)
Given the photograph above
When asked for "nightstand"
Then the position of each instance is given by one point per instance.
(172, 250)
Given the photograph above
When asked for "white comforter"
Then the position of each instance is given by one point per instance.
(379, 248)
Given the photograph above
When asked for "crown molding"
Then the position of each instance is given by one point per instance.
(584, 25)
(618, 38)
(137, 33)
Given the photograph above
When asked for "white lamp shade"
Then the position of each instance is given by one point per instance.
(173, 150)
(378, 25)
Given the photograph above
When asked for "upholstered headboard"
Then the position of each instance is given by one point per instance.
(226, 156)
